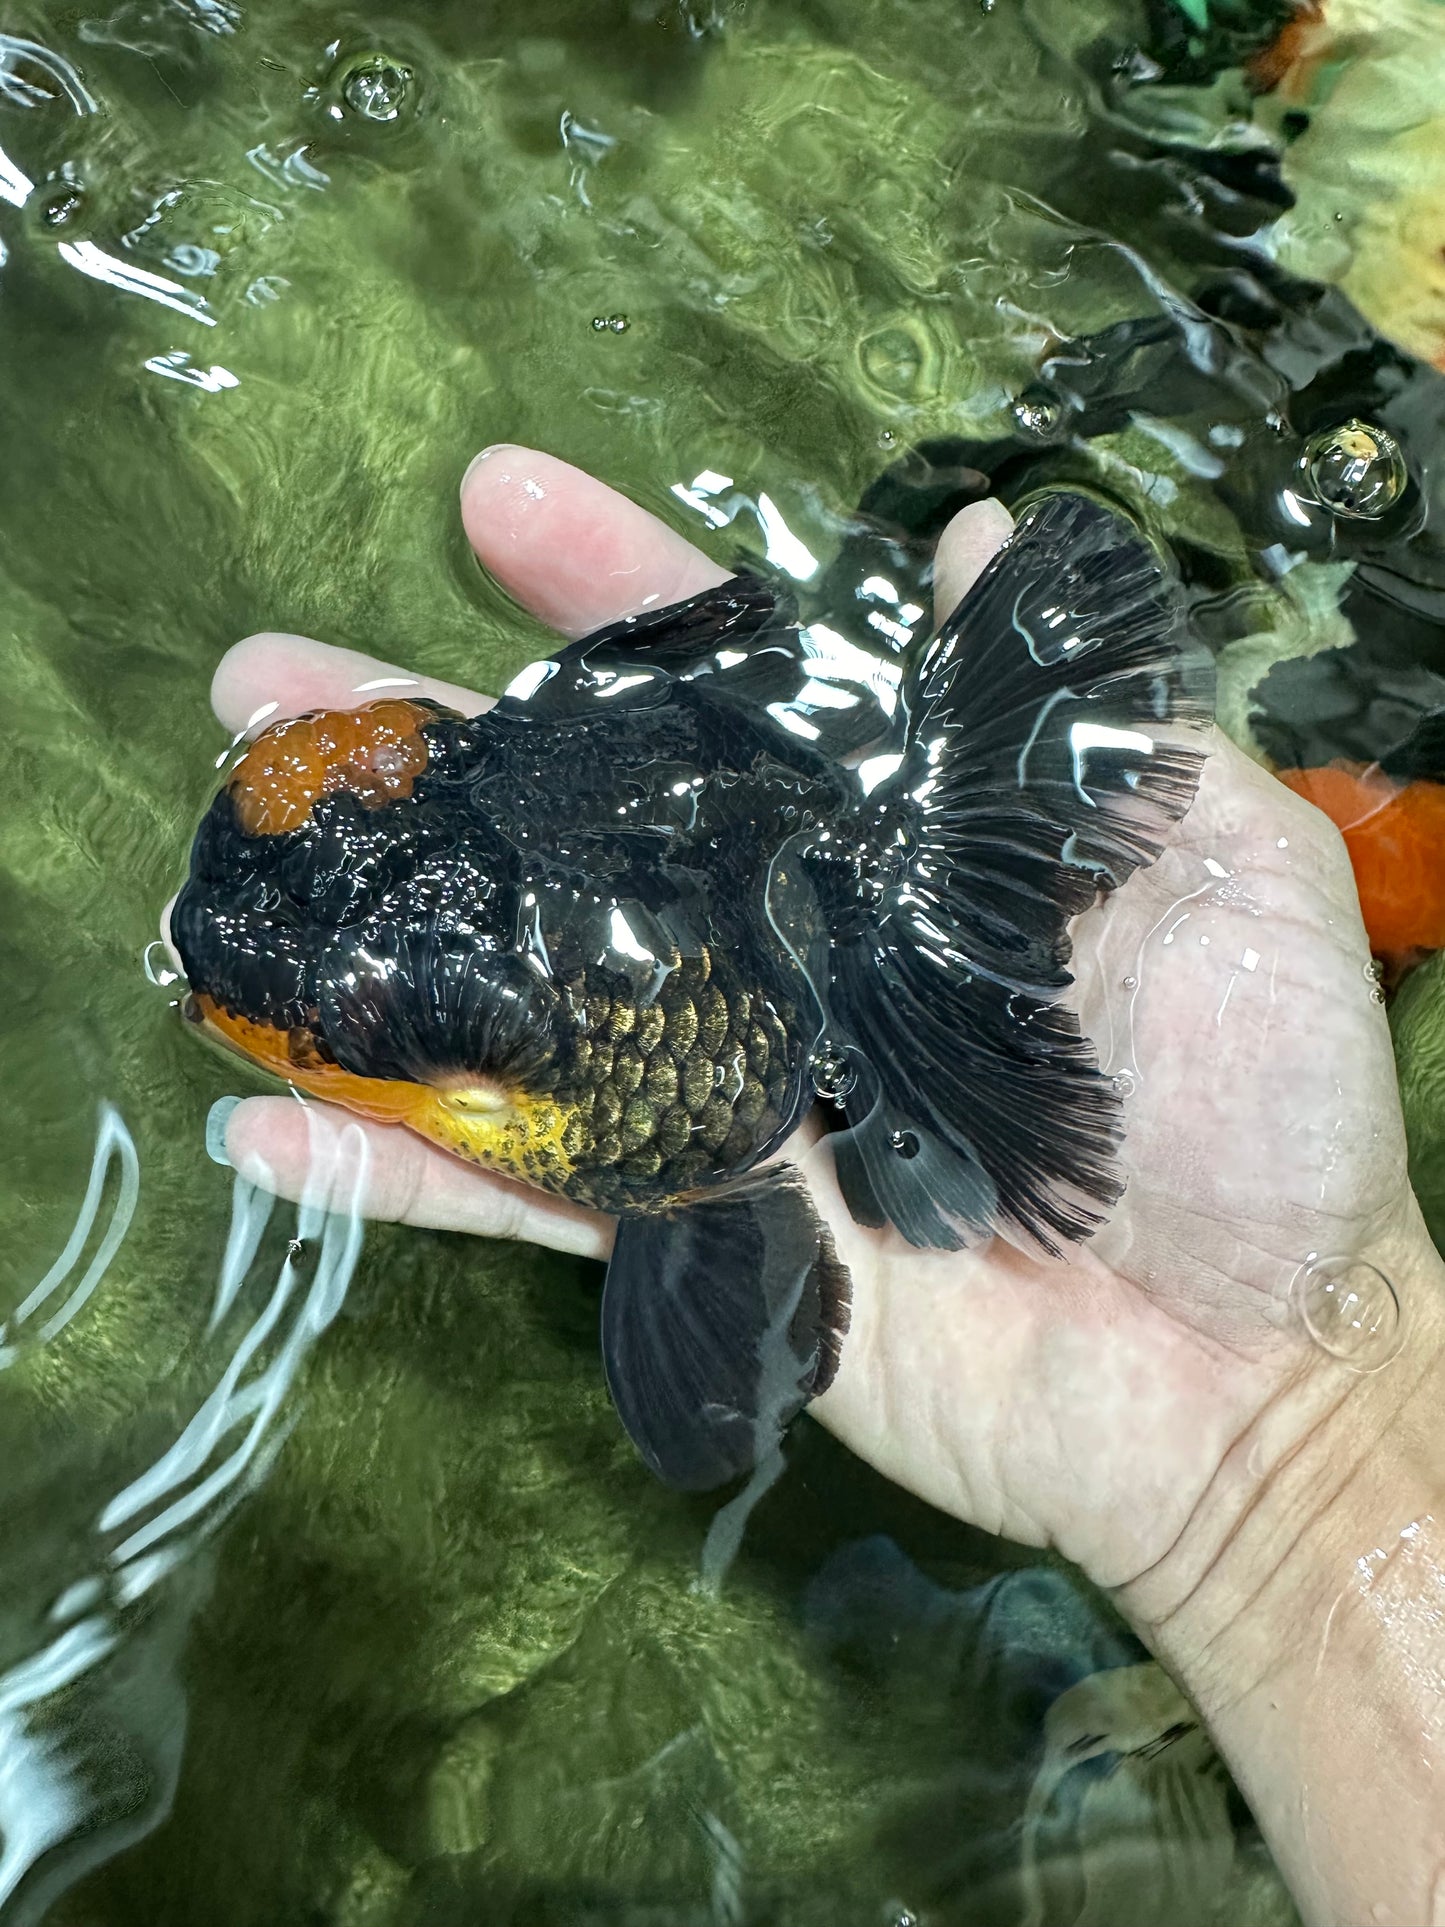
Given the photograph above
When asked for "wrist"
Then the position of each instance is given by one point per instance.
(1303, 1610)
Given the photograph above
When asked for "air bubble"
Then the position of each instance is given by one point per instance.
(1377, 995)
(1356, 469)
(377, 88)
(1037, 418)
(1123, 1084)
(1131, 983)
(905, 1143)
(833, 1075)
(155, 963)
(616, 324)
(1350, 1310)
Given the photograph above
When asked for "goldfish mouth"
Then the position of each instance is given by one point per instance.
(485, 1121)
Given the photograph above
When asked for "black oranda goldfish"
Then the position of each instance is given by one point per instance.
(702, 870)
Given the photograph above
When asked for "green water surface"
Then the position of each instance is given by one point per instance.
(446, 1662)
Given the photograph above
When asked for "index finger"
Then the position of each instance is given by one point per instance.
(569, 549)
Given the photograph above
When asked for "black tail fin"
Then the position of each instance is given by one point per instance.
(1044, 761)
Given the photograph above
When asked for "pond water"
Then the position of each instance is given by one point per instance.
(330, 1590)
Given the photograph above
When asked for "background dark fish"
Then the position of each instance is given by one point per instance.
(615, 938)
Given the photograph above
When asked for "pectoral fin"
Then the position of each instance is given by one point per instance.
(720, 1320)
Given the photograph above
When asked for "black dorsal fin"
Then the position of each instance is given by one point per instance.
(721, 1318)
(1048, 756)
(740, 642)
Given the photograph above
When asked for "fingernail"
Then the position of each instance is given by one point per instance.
(493, 448)
(217, 1118)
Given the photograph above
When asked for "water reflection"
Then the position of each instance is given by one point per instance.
(806, 229)
(92, 1724)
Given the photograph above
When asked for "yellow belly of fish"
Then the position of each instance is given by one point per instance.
(513, 1132)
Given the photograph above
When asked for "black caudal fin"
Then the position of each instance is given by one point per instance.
(720, 1320)
(1045, 761)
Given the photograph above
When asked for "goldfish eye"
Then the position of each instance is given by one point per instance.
(482, 1100)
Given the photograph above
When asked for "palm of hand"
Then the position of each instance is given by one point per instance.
(1085, 1403)
(1088, 1403)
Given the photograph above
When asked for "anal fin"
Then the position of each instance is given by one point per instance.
(720, 1319)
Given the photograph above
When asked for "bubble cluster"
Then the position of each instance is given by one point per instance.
(1039, 419)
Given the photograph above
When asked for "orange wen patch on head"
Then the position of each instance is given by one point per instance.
(375, 754)
(1395, 834)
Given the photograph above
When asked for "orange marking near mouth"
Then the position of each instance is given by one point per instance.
(375, 754)
(505, 1130)
(1395, 834)
(293, 1055)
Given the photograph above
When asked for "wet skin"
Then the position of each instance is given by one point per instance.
(1145, 1404)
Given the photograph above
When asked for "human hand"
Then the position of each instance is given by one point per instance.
(1088, 1403)
(1144, 1402)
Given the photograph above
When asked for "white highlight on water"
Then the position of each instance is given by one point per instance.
(169, 1512)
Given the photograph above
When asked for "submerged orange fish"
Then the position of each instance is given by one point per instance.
(1395, 834)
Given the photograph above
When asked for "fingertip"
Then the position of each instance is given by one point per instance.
(271, 675)
(246, 680)
(573, 551)
(263, 1139)
(966, 547)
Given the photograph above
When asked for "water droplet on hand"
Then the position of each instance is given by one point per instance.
(377, 87)
(1356, 469)
(1350, 1310)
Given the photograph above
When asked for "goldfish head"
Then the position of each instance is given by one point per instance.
(349, 925)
